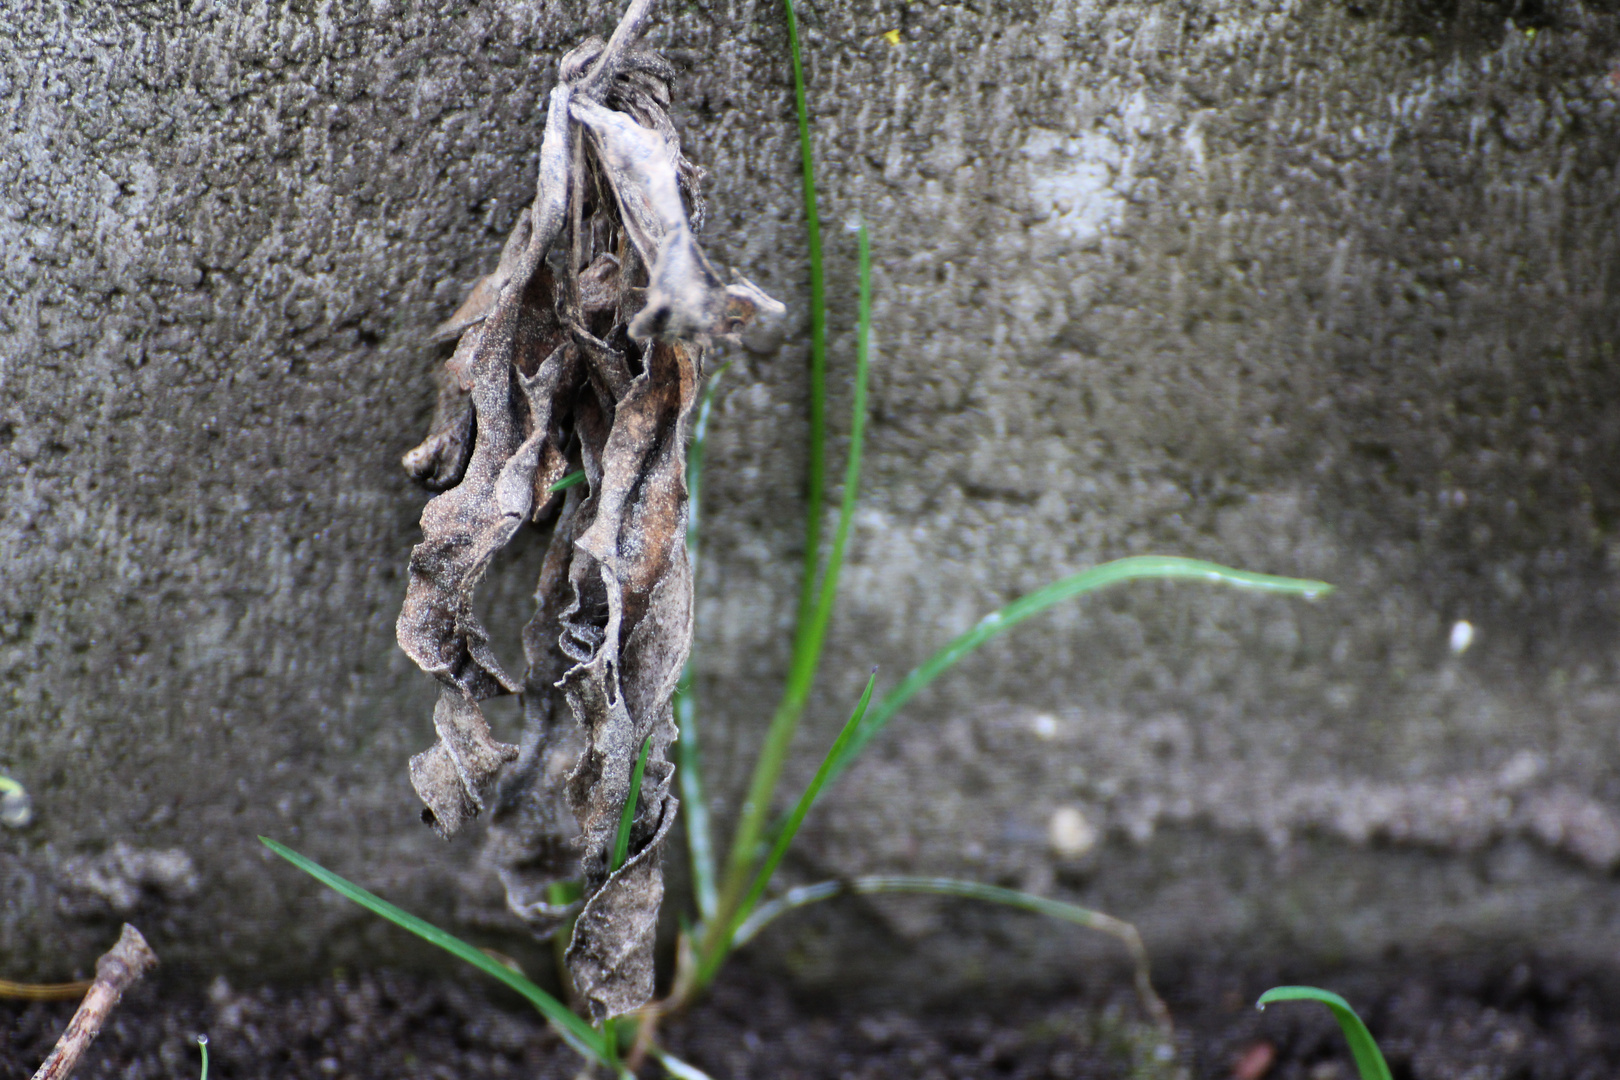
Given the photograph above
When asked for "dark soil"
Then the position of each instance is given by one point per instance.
(1532, 1021)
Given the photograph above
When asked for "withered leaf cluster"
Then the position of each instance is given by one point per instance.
(582, 350)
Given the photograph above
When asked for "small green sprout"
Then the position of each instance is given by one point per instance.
(574, 1031)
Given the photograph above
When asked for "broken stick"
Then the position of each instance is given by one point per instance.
(116, 971)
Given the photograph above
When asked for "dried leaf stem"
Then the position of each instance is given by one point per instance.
(43, 991)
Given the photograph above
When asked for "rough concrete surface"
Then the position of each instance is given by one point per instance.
(1312, 288)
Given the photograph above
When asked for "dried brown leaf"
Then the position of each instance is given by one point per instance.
(515, 361)
(596, 363)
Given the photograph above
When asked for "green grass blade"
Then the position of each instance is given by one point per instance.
(719, 946)
(1118, 929)
(575, 477)
(694, 803)
(694, 461)
(576, 1032)
(785, 721)
(688, 754)
(202, 1047)
(816, 485)
(627, 816)
(1087, 581)
(804, 673)
(561, 894)
(1369, 1059)
(784, 838)
(812, 629)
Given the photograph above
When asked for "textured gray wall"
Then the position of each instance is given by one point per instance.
(1294, 286)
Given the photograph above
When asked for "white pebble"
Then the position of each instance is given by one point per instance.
(1069, 833)
(16, 808)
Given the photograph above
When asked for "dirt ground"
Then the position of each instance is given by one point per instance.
(1451, 1021)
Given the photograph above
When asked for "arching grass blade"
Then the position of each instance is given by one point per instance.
(1369, 1059)
(1087, 581)
(576, 1032)
(1121, 931)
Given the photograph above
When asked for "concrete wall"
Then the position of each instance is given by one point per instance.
(1311, 288)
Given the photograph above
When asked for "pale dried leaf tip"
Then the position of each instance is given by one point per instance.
(454, 776)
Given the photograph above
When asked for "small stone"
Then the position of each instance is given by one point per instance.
(16, 808)
(1069, 833)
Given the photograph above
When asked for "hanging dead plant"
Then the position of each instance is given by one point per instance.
(582, 350)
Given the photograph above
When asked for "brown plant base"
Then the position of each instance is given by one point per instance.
(1533, 1020)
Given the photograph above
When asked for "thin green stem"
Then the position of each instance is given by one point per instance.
(560, 894)
(822, 615)
(689, 758)
(694, 463)
(694, 803)
(818, 332)
(568, 481)
(812, 630)
(807, 639)
(719, 945)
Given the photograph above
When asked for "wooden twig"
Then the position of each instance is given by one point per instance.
(116, 971)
